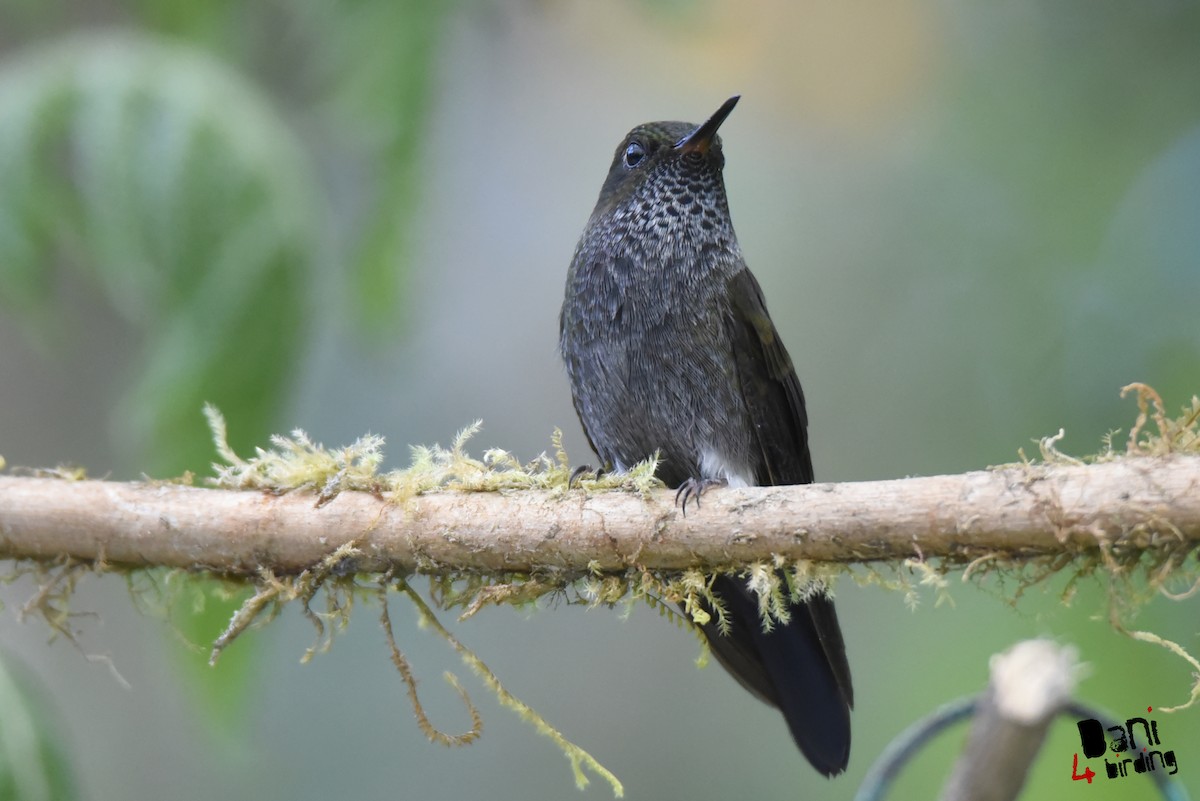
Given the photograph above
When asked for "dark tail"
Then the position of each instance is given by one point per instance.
(801, 668)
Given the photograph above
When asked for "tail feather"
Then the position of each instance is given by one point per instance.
(801, 668)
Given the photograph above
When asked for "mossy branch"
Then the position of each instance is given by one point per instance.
(298, 519)
(1125, 508)
(449, 513)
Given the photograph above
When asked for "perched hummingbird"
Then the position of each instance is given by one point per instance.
(669, 350)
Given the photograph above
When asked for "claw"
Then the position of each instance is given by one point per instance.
(685, 490)
(580, 472)
(694, 488)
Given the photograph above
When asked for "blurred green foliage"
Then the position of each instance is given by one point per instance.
(168, 166)
(177, 170)
(376, 73)
(33, 766)
(170, 182)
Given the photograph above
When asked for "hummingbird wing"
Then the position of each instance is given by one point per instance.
(770, 387)
(800, 667)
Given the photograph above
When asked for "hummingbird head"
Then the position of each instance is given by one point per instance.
(665, 172)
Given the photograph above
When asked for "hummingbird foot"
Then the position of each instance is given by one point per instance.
(584, 471)
(694, 488)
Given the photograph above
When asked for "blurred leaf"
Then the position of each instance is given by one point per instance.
(173, 184)
(202, 611)
(33, 762)
(376, 66)
(212, 23)
(189, 202)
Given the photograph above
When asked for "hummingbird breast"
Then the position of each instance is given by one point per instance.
(645, 338)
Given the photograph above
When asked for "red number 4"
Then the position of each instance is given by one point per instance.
(1088, 773)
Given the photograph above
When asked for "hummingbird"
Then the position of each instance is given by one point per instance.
(669, 350)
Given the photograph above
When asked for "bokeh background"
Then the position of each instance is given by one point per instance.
(973, 222)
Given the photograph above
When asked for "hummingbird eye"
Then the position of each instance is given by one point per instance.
(634, 154)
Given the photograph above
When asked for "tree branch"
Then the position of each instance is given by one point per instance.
(1139, 504)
